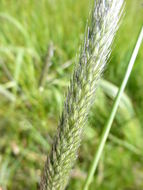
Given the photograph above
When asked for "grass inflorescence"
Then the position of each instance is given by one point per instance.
(93, 57)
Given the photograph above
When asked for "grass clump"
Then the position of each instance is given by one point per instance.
(29, 116)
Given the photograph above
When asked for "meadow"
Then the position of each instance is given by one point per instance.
(39, 41)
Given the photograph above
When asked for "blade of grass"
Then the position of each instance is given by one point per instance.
(18, 65)
(37, 136)
(16, 24)
(125, 144)
(108, 125)
(4, 173)
(7, 94)
(5, 69)
(111, 91)
(46, 65)
(15, 49)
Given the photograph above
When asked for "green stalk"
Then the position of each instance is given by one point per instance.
(107, 127)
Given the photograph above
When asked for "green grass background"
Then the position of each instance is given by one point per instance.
(29, 116)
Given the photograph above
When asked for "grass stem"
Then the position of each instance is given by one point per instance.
(108, 125)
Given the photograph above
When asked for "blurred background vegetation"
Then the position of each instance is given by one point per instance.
(39, 41)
